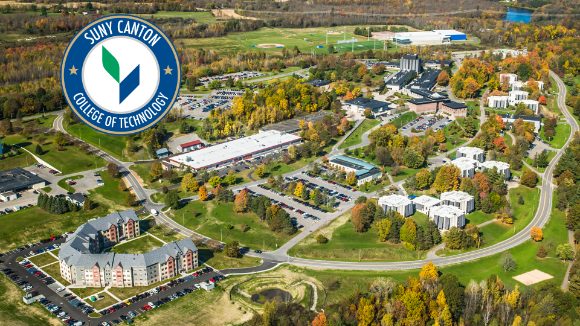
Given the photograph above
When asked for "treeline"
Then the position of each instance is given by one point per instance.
(433, 298)
(59, 205)
(365, 31)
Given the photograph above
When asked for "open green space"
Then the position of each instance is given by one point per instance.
(70, 160)
(163, 232)
(106, 301)
(141, 245)
(62, 183)
(345, 244)
(212, 220)
(306, 39)
(15, 312)
(143, 171)
(356, 137)
(478, 217)
(508, 139)
(34, 224)
(54, 271)
(43, 259)
(404, 174)
(46, 122)
(201, 17)
(85, 292)
(561, 136)
(219, 260)
(403, 119)
(109, 194)
(461, 122)
(46, 189)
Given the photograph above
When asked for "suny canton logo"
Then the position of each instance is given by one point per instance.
(120, 74)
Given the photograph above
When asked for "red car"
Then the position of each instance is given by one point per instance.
(212, 280)
(147, 307)
(111, 309)
(53, 237)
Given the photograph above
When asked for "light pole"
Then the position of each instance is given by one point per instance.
(368, 33)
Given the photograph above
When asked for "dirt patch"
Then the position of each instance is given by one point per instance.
(230, 13)
(113, 207)
(533, 277)
(269, 45)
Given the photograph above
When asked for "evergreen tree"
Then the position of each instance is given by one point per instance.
(39, 200)
(38, 150)
(58, 209)
(88, 205)
(379, 214)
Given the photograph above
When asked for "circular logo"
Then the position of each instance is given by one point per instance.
(120, 74)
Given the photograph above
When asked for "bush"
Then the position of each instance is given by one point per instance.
(529, 179)
(507, 262)
(541, 252)
(320, 238)
(521, 200)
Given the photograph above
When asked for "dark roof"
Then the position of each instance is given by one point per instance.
(423, 100)
(428, 79)
(78, 197)
(429, 94)
(17, 178)
(392, 64)
(524, 117)
(455, 105)
(317, 82)
(367, 103)
(400, 77)
(410, 57)
(439, 62)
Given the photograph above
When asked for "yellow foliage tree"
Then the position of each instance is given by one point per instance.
(537, 233)
(429, 271)
(203, 195)
(365, 312)
(298, 189)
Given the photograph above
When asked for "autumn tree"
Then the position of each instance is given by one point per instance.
(113, 169)
(413, 159)
(188, 183)
(351, 178)
(423, 179)
(131, 200)
(447, 179)
(203, 195)
(241, 202)
(156, 169)
(360, 215)
(384, 228)
(320, 320)
(529, 179)
(298, 190)
(443, 78)
(481, 183)
(260, 172)
(408, 232)
(428, 271)
(320, 238)
(536, 233)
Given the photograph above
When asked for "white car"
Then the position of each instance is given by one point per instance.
(59, 290)
(105, 323)
(152, 305)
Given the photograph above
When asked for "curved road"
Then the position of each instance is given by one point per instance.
(280, 255)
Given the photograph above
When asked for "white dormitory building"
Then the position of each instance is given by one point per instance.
(502, 167)
(446, 217)
(459, 199)
(466, 165)
(424, 203)
(401, 204)
(516, 84)
(473, 153)
(498, 102)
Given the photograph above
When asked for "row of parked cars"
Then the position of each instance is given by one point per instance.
(235, 76)
(212, 106)
(307, 204)
(41, 166)
(153, 304)
(227, 94)
(338, 195)
(59, 313)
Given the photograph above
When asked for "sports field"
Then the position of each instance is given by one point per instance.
(306, 39)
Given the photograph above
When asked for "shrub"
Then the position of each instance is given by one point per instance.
(529, 179)
(536, 233)
(541, 252)
(320, 238)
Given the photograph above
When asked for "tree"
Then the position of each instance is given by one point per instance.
(113, 169)
(443, 78)
(156, 169)
(573, 217)
(241, 202)
(408, 231)
(215, 181)
(260, 172)
(59, 139)
(428, 272)
(232, 249)
(320, 320)
(131, 200)
(188, 183)
(521, 200)
(529, 179)
(481, 183)
(122, 186)
(536, 233)
(469, 127)
(320, 238)
(360, 214)
(184, 128)
(203, 195)
(88, 204)
(413, 159)
(231, 177)
(351, 178)
(298, 190)
(191, 83)
(565, 251)
(423, 179)
(447, 179)
(383, 227)
(38, 150)
(507, 262)
(172, 199)
(454, 292)
(541, 252)
(365, 312)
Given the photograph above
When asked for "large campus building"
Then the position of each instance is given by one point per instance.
(365, 172)
(18, 179)
(236, 150)
(83, 263)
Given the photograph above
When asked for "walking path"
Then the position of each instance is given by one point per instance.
(111, 294)
(567, 276)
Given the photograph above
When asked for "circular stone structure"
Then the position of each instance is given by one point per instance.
(269, 45)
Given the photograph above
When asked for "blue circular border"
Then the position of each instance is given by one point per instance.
(169, 85)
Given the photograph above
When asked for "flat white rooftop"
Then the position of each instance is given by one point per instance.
(426, 201)
(394, 200)
(446, 211)
(239, 148)
(470, 150)
(464, 163)
(419, 35)
(497, 164)
(448, 32)
(456, 196)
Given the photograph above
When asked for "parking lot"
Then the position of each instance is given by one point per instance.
(235, 76)
(64, 304)
(423, 122)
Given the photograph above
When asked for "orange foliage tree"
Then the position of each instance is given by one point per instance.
(536, 233)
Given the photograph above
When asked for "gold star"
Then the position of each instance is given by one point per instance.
(168, 70)
(73, 70)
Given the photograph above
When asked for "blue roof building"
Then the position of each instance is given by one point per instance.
(162, 152)
(365, 172)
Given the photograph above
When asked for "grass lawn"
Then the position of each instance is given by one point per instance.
(375, 187)
(476, 122)
(47, 121)
(345, 244)
(478, 217)
(508, 139)
(69, 160)
(458, 142)
(109, 194)
(165, 233)
(111, 144)
(356, 137)
(15, 312)
(212, 218)
(104, 302)
(54, 271)
(143, 171)
(282, 168)
(403, 119)
(561, 136)
(85, 292)
(219, 260)
(33, 224)
(46, 189)
(141, 245)
(404, 174)
(62, 183)
(42, 259)
(523, 214)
